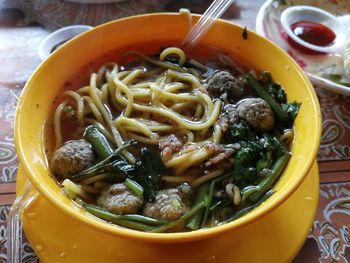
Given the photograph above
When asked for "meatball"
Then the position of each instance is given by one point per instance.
(118, 199)
(223, 85)
(228, 117)
(170, 145)
(169, 204)
(257, 113)
(72, 158)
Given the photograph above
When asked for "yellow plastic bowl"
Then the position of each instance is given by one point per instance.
(35, 108)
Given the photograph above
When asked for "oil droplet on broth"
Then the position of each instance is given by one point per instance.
(31, 215)
(74, 246)
(38, 247)
(211, 259)
(63, 254)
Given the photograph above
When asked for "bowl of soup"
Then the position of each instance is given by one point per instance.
(126, 131)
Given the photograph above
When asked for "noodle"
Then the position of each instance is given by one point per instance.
(96, 178)
(57, 124)
(206, 177)
(287, 136)
(201, 155)
(80, 105)
(94, 109)
(76, 190)
(165, 65)
(178, 179)
(150, 105)
(173, 50)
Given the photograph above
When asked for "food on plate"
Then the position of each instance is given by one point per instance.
(167, 143)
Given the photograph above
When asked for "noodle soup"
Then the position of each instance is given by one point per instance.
(171, 142)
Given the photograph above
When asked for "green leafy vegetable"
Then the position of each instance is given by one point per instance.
(285, 112)
(253, 193)
(106, 165)
(275, 90)
(219, 203)
(147, 172)
(240, 131)
(245, 160)
(265, 162)
(134, 186)
(98, 141)
(292, 109)
(281, 115)
(246, 210)
(210, 194)
(278, 147)
(267, 154)
(281, 155)
(133, 221)
(202, 196)
(182, 219)
(123, 166)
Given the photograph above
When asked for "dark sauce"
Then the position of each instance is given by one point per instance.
(314, 33)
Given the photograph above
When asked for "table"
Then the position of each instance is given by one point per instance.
(23, 25)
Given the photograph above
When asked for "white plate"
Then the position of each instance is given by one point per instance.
(268, 25)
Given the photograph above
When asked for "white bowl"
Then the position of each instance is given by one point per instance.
(52, 41)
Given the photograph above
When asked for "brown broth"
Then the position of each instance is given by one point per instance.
(207, 55)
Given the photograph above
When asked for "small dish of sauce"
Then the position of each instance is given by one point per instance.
(314, 33)
(315, 30)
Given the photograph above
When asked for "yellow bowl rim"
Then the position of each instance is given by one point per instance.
(180, 236)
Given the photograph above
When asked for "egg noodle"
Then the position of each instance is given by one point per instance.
(200, 160)
(148, 105)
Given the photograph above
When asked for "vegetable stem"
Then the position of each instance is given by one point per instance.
(196, 219)
(177, 222)
(134, 186)
(254, 193)
(277, 109)
(246, 210)
(210, 198)
(98, 141)
(102, 165)
(111, 217)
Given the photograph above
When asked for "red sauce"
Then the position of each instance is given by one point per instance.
(313, 33)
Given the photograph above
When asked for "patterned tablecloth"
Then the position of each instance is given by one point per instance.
(23, 25)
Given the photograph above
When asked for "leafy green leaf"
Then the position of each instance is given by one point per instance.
(246, 157)
(147, 172)
(240, 131)
(292, 109)
(275, 90)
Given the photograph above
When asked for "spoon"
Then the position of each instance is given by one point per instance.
(339, 25)
(214, 11)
